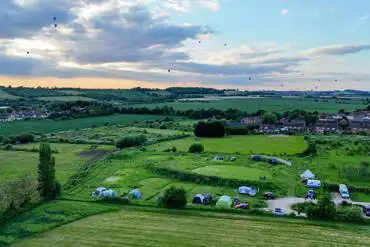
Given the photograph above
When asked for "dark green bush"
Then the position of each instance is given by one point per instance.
(196, 148)
(209, 129)
(173, 198)
(131, 141)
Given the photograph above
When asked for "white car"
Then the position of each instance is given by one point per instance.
(279, 212)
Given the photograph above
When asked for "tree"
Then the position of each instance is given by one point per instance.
(269, 118)
(344, 124)
(209, 129)
(325, 209)
(46, 172)
(173, 198)
(196, 148)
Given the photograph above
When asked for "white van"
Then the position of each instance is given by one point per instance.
(343, 190)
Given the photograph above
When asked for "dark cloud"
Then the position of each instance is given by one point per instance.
(338, 49)
(24, 21)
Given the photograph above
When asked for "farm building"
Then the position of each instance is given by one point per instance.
(306, 175)
(224, 202)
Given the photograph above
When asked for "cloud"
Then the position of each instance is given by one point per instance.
(213, 5)
(337, 50)
(284, 11)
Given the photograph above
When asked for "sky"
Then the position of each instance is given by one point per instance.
(244, 44)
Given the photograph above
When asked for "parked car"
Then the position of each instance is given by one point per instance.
(269, 195)
(311, 194)
(279, 212)
(232, 158)
(366, 209)
(242, 206)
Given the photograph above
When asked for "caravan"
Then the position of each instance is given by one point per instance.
(313, 183)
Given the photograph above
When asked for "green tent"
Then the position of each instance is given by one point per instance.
(224, 202)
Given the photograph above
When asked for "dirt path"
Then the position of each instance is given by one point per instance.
(285, 204)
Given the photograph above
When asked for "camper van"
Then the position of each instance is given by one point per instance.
(343, 190)
(313, 183)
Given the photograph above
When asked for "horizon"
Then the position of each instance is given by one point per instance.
(289, 46)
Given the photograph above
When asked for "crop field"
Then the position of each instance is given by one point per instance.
(15, 164)
(240, 144)
(135, 228)
(269, 104)
(48, 126)
(111, 134)
(66, 98)
(5, 95)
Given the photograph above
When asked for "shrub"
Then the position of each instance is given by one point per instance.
(196, 148)
(26, 138)
(58, 189)
(173, 198)
(350, 213)
(131, 141)
(174, 149)
(324, 210)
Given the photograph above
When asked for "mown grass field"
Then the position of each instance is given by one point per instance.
(66, 98)
(136, 228)
(5, 95)
(48, 126)
(15, 164)
(240, 144)
(269, 104)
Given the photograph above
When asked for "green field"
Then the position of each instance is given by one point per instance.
(5, 95)
(48, 126)
(240, 144)
(135, 228)
(228, 171)
(269, 104)
(15, 164)
(111, 134)
(66, 98)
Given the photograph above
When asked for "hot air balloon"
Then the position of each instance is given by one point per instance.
(199, 41)
(55, 25)
(28, 52)
(55, 18)
(336, 80)
(250, 78)
(169, 70)
(225, 44)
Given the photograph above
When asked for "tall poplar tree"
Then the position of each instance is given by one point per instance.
(46, 172)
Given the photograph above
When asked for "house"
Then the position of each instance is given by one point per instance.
(252, 120)
(306, 175)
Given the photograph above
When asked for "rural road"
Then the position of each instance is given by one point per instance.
(337, 199)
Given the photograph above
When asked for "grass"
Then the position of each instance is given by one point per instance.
(139, 228)
(48, 216)
(269, 104)
(66, 98)
(15, 164)
(4, 95)
(241, 144)
(48, 126)
(236, 172)
(360, 197)
(111, 134)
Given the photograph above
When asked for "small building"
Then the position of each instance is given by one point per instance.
(224, 202)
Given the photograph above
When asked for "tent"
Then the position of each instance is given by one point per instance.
(307, 175)
(314, 183)
(257, 157)
(273, 161)
(98, 191)
(108, 193)
(198, 199)
(135, 193)
(208, 199)
(224, 202)
(244, 190)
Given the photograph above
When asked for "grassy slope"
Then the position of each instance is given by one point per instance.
(241, 144)
(268, 104)
(18, 163)
(5, 95)
(44, 126)
(66, 98)
(138, 228)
